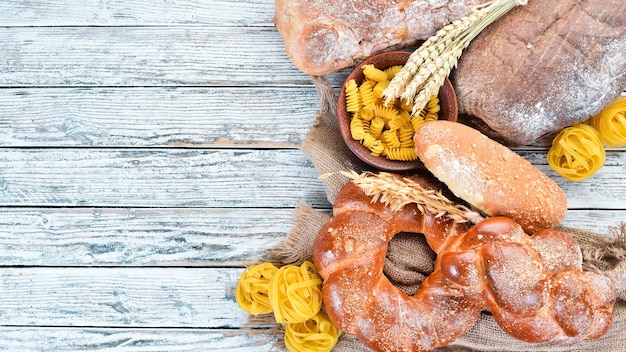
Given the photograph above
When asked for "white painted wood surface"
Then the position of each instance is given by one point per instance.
(148, 153)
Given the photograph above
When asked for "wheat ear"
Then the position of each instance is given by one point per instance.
(431, 86)
(397, 192)
(452, 39)
(432, 47)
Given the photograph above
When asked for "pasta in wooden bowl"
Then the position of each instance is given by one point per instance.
(382, 135)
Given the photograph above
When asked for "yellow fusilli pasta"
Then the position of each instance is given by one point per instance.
(376, 127)
(367, 95)
(404, 114)
(368, 140)
(417, 121)
(433, 105)
(430, 117)
(353, 99)
(373, 73)
(404, 154)
(406, 105)
(367, 114)
(387, 113)
(379, 88)
(385, 130)
(396, 123)
(391, 71)
(391, 139)
(377, 148)
(357, 128)
(405, 135)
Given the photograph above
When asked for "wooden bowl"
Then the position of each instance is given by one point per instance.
(448, 103)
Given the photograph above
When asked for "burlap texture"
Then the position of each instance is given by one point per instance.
(410, 260)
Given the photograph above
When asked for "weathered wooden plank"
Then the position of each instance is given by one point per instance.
(600, 221)
(257, 117)
(137, 12)
(158, 178)
(122, 297)
(145, 56)
(136, 340)
(201, 178)
(139, 237)
(156, 117)
(149, 297)
(603, 190)
(168, 237)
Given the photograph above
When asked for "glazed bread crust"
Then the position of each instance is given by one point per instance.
(489, 175)
(533, 285)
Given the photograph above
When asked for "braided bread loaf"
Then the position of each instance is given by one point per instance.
(533, 285)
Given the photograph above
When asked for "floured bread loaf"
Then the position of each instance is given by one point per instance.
(490, 176)
(543, 67)
(322, 36)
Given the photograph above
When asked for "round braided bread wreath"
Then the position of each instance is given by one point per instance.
(534, 286)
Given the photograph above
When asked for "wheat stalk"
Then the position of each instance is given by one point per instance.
(428, 66)
(424, 85)
(431, 48)
(397, 192)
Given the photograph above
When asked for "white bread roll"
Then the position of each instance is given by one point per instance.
(490, 176)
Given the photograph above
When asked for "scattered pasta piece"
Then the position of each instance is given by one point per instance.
(376, 127)
(391, 71)
(396, 123)
(373, 73)
(367, 114)
(252, 289)
(390, 138)
(385, 130)
(405, 136)
(577, 152)
(367, 95)
(402, 153)
(353, 100)
(611, 123)
(317, 334)
(357, 128)
(295, 293)
(379, 88)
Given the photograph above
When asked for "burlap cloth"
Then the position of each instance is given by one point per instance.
(410, 260)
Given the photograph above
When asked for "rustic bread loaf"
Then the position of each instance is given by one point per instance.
(542, 67)
(489, 175)
(326, 36)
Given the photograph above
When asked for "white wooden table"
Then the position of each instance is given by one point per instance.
(148, 150)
